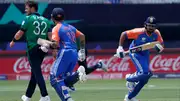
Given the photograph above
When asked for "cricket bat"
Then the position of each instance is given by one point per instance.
(41, 42)
(50, 44)
(139, 48)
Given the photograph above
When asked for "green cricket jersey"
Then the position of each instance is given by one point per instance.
(35, 26)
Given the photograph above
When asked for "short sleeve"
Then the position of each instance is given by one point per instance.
(78, 33)
(55, 35)
(51, 25)
(134, 33)
(24, 24)
(131, 34)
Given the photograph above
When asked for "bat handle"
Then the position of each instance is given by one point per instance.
(122, 54)
(126, 52)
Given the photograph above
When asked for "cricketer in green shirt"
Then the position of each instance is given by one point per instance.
(35, 26)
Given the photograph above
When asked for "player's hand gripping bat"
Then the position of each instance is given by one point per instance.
(139, 48)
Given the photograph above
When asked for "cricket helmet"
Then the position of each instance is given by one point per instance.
(58, 14)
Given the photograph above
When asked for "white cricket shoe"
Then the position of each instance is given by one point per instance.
(82, 74)
(133, 99)
(46, 98)
(104, 67)
(25, 98)
(126, 98)
(130, 86)
(70, 99)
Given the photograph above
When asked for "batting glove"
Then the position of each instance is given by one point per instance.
(120, 52)
(44, 48)
(159, 48)
(81, 55)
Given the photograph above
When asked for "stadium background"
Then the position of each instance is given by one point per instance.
(102, 21)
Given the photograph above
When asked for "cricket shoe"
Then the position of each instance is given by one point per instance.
(82, 74)
(103, 65)
(71, 89)
(134, 99)
(70, 99)
(25, 98)
(127, 99)
(46, 98)
(130, 86)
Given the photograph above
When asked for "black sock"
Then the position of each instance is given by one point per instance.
(71, 80)
(92, 68)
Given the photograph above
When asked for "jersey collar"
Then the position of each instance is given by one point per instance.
(35, 13)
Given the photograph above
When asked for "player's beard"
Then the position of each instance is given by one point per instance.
(149, 30)
(30, 12)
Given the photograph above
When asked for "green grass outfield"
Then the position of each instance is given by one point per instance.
(99, 90)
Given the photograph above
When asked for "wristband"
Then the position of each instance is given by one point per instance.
(14, 40)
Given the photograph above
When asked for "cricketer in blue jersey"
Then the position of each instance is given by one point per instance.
(148, 33)
(65, 36)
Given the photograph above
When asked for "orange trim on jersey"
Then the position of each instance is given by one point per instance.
(160, 39)
(78, 33)
(134, 33)
(55, 35)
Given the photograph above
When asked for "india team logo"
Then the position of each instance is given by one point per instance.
(143, 39)
(151, 20)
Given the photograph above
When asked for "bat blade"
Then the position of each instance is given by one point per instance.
(41, 41)
(150, 45)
